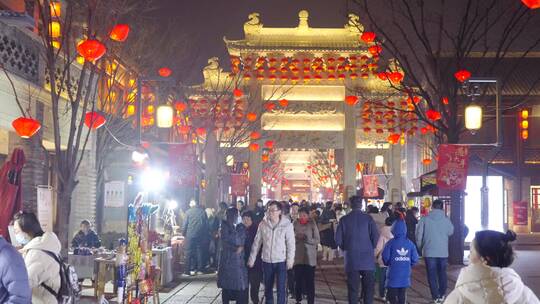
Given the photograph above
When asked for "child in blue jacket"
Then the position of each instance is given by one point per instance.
(399, 255)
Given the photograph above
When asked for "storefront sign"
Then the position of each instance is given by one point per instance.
(114, 194)
(453, 166)
(45, 208)
(371, 185)
(521, 215)
(239, 183)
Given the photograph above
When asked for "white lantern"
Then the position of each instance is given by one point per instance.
(165, 115)
(473, 117)
(379, 161)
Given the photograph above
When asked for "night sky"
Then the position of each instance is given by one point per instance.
(204, 23)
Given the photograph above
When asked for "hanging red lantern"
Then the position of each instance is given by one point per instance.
(26, 127)
(375, 50)
(251, 116)
(253, 147)
(119, 32)
(94, 120)
(180, 106)
(380, 131)
(238, 93)
(283, 103)
(424, 130)
(433, 115)
(255, 135)
(353, 76)
(265, 158)
(445, 100)
(351, 100)
(164, 72)
(201, 132)
(368, 37)
(395, 77)
(426, 161)
(91, 49)
(367, 129)
(532, 4)
(269, 106)
(462, 75)
(394, 138)
(269, 144)
(382, 75)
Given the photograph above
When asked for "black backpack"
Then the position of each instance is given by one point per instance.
(69, 283)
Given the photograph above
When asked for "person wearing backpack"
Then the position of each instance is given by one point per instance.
(43, 269)
(13, 277)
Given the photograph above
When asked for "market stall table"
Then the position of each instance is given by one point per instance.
(104, 271)
(84, 264)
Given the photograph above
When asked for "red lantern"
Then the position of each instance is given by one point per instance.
(180, 106)
(119, 32)
(251, 116)
(164, 72)
(462, 75)
(94, 120)
(91, 49)
(375, 50)
(394, 138)
(433, 115)
(255, 135)
(382, 75)
(269, 106)
(238, 93)
(532, 4)
(445, 100)
(395, 77)
(283, 103)
(253, 147)
(426, 161)
(351, 100)
(424, 130)
(183, 129)
(368, 37)
(367, 130)
(269, 144)
(265, 158)
(26, 127)
(201, 132)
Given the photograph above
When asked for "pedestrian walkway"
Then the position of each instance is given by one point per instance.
(330, 287)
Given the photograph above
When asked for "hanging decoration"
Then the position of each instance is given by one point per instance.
(269, 144)
(433, 115)
(255, 135)
(238, 93)
(368, 37)
(351, 100)
(251, 116)
(532, 4)
(462, 75)
(283, 103)
(164, 72)
(91, 49)
(94, 120)
(253, 147)
(119, 32)
(26, 127)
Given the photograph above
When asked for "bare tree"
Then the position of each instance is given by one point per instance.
(326, 172)
(432, 41)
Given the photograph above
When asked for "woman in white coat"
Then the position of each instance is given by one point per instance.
(42, 268)
(488, 279)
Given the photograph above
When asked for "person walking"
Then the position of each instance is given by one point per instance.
(305, 259)
(432, 235)
(326, 228)
(411, 219)
(276, 237)
(195, 230)
(385, 235)
(14, 288)
(258, 212)
(38, 246)
(232, 275)
(489, 278)
(357, 236)
(399, 255)
(255, 274)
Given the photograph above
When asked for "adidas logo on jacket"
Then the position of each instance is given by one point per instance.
(399, 255)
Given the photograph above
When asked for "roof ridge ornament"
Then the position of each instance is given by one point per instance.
(253, 26)
(354, 25)
(303, 17)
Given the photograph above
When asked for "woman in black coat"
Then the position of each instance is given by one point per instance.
(326, 231)
(232, 271)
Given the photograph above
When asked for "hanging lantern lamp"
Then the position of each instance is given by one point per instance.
(91, 49)
(26, 127)
(351, 100)
(368, 37)
(462, 75)
(164, 72)
(119, 32)
(94, 120)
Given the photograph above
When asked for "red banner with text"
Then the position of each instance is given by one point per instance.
(239, 184)
(371, 185)
(521, 213)
(453, 166)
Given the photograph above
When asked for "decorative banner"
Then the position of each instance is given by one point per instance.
(45, 208)
(239, 184)
(114, 194)
(453, 166)
(182, 160)
(521, 215)
(371, 185)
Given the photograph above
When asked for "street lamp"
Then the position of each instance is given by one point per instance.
(473, 117)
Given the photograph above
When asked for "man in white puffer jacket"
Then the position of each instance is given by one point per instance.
(276, 236)
(488, 279)
(41, 267)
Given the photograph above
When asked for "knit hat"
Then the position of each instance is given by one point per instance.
(494, 247)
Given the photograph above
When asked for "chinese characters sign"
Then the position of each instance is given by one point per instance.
(453, 166)
(371, 185)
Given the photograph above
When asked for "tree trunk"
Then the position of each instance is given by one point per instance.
(63, 212)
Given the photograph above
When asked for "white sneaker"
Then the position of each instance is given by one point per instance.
(192, 273)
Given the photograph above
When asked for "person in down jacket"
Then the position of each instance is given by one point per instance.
(42, 268)
(399, 255)
(488, 278)
(14, 287)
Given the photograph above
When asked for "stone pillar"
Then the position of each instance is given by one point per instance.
(349, 153)
(395, 186)
(255, 176)
(211, 171)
